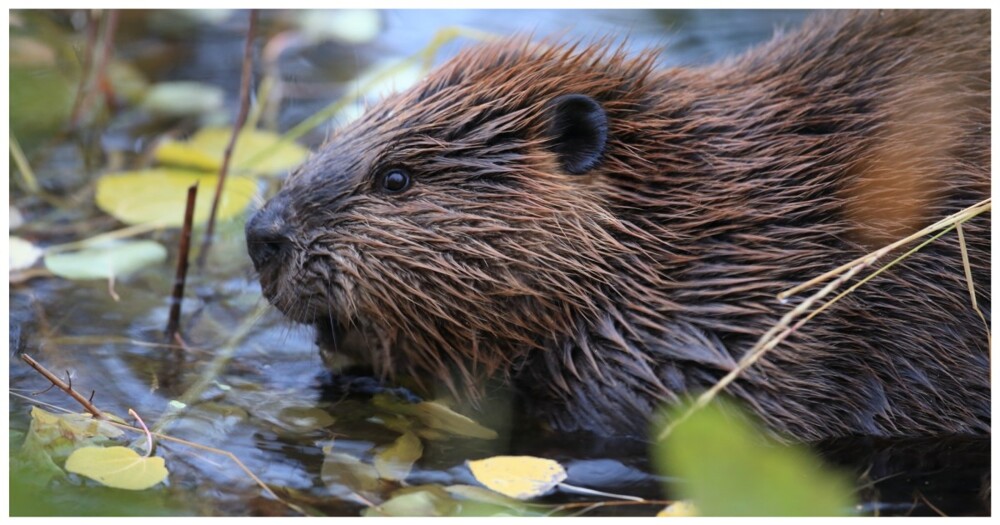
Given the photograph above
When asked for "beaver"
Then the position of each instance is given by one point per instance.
(608, 236)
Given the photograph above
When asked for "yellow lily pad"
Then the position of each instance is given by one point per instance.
(159, 196)
(205, 149)
(117, 467)
(106, 260)
(519, 477)
(395, 462)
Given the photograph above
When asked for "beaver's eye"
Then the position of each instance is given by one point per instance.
(395, 180)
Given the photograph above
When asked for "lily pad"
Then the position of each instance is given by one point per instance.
(394, 463)
(23, 253)
(117, 467)
(106, 260)
(183, 98)
(205, 149)
(159, 196)
(518, 477)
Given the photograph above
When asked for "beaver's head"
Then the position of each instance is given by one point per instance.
(460, 224)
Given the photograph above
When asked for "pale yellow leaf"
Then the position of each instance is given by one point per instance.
(159, 195)
(206, 148)
(678, 509)
(519, 477)
(117, 467)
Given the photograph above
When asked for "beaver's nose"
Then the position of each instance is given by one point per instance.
(267, 237)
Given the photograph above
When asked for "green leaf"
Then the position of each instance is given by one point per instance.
(117, 467)
(183, 98)
(341, 470)
(22, 254)
(730, 469)
(159, 196)
(205, 149)
(394, 462)
(106, 260)
(519, 477)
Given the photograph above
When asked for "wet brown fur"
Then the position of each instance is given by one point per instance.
(643, 281)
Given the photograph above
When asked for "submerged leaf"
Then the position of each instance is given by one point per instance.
(424, 500)
(304, 419)
(519, 477)
(106, 260)
(436, 416)
(117, 467)
(344, 470)
(159, 196)
(730, 469)
(205, 149)
(394, 463)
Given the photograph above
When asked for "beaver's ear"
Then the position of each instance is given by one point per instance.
(578, 132)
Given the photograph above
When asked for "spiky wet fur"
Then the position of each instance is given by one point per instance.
(601, 296)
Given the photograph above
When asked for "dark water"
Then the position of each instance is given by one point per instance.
(248, 408)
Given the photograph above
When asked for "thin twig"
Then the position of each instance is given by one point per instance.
(23, 167)
(85, 72)
(87, 405)
(173, 322)
(237, 128)
(149, 436)
(931, 505)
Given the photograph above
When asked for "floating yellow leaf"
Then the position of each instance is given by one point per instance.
(678, 509)
(117, 467)
(341, 470)
(106, 260)
(205, 149)
(520, 477)
(396, 461)
(159, 195)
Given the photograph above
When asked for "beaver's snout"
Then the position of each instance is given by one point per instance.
(267, 236)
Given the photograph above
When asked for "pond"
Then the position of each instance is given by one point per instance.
(249, 383)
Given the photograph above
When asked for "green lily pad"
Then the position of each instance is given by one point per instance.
(730, 469)
(117, 467)
(106, 260)
(183, 98)
(159, 196)
(205, 149)
(395, 461)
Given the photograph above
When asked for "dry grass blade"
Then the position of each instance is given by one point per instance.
(972, 286)
(784, 327)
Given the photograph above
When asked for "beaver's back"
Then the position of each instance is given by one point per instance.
(781, 164)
